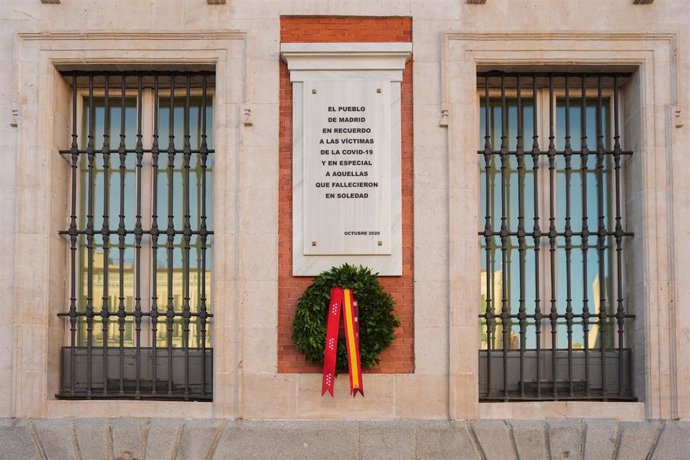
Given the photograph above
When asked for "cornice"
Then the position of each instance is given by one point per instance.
(142, 35)
(580, 36)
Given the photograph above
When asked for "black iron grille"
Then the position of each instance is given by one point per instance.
(140, 233)
(553, 316)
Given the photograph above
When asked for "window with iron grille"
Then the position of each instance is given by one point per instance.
(140, 236)
(553, 317)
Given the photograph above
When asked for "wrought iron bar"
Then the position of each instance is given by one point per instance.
(522, 246)
(559, 234)
(90, 237)
(155, 153)
(192, 151)
(536, 233)
(568, 240)
(585, 230)
(186, 237)
(203, 233)
(552, 240)
(170, 244)
(620, 309)
(601, 234)
(105, 231)
(138, 235)
(121, 232)
(175, 232)
(557, 154)
(488, 237)
(505, 306)
(73, 236)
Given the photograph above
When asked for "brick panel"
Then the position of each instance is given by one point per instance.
(399, 358)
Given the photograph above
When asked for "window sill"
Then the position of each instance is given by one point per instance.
(562, 409)
(126, 408)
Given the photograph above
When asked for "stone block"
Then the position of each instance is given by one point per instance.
(378, 402)
(258, 300)
(16, 440)
(6, 381)
(198, 439)
(163, 438)
(93, 438)
(434, 296)
(435, 250)
(57, 438)
(260, 350)
(262, 113)
(674, 441)
(264, 219)
(431, 349)
(421, 396)
(601, 437)
(530, 439)
(386, 440)
(445, 440)
(129, 435)
(494, 439)
(566, 439)
(426, 125)
(288, 440)
(637, 439)
(256, 405)
(258, 261)
(264, 75)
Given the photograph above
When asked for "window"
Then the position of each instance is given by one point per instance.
(140, 236)
(553, 316)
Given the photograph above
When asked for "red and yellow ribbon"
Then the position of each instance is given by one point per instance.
(342, 299)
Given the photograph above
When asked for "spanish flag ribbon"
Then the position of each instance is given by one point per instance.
(342, 299)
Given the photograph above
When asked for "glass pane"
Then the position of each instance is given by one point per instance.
(585, 282)
(111, 192)
(170, 195)
(504, 192)
(101, 187)
(506, 198)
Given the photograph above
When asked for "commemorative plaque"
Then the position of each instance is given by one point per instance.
(347, 168)
(346, 155)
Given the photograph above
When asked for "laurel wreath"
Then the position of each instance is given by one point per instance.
(376, 319)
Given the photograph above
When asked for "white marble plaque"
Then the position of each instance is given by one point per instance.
(347, 168)
(346, 191)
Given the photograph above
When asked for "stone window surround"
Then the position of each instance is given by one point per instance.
(42, 191)
(649, 98)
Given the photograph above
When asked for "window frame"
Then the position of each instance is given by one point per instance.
(553, 307)
(147, 111)
(44, 113)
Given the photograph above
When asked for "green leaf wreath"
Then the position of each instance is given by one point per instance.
(376, 319)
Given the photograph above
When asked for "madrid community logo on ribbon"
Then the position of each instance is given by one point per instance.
(342, 300)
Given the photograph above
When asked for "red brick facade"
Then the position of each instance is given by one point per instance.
(399, 358)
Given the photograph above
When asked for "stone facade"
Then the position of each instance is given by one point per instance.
(429, 388)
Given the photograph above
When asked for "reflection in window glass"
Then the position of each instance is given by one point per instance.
(584, 182)
(107, 187)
